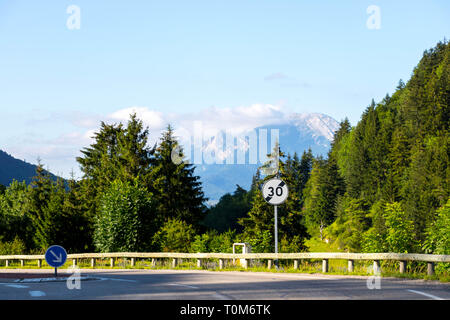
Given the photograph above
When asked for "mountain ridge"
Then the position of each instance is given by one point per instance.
(297, 133)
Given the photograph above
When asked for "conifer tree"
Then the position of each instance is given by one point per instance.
(118, 153)
(176, 189)
(260, 218)
(40, 195)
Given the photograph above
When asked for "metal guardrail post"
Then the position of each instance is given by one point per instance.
(402, 266)
(376, 267)
(325, 265)
(351, 266)
(430, 268)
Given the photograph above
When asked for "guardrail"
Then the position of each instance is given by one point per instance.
(403, 258)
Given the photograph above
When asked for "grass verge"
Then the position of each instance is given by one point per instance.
(336, 267)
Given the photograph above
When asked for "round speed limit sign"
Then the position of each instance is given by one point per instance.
(275, 191)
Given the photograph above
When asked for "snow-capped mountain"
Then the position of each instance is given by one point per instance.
(296, 134)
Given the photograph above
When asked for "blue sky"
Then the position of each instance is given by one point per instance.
(181, 58)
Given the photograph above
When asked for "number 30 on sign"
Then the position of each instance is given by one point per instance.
(275, 191)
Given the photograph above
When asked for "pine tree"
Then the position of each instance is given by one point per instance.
(78, 224)
(118, 153)
(40, 195)
(177, 191)
(260, 218)
(99, 165)
(15, 221)
(225, 214)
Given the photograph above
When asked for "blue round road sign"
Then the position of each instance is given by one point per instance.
(56, 256)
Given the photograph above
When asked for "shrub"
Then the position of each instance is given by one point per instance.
(125, 219)
(400, 236)
(174, 236)
(214, 242)
(16, 246)
(438, 236)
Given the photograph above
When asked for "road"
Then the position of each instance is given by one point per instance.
(207, 285)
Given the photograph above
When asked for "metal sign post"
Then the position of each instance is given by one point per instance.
(275, 192)
(276, 232)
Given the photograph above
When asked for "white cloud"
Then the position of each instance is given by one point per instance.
(234, 120)
(153, 119)
(59, 152)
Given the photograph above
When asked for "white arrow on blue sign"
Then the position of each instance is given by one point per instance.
(56, 256)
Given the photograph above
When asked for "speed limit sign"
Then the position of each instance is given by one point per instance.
(275, 191)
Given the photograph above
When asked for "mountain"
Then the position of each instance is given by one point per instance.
(15, 169)
(296, 134)
(12, 168)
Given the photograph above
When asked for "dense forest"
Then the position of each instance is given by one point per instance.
(383, 187)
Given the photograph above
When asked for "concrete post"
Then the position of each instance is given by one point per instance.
(153, 262)
(133, 262)
(174, 262)
(351, 266)
(295, 264)
(402, 266)
(325, 265)
(7, 263)
(269, 264)
(92, 262)
(111, 262)
(220, 263)
(74, 262)
(376, 267)
(39, 263)
(22, 263)
(199, 263)
(430, 268)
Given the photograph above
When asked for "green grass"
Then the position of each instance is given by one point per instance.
(336, 267)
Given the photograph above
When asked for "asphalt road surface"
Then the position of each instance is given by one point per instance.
(207, 285)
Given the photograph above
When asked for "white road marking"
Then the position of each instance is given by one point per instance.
(62, 279)
(36, 293)
(426, 294)
(19, 286)
(219, 296)
(182, 285)
(115, 279)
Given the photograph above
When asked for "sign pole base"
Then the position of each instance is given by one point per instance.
(56, 272)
